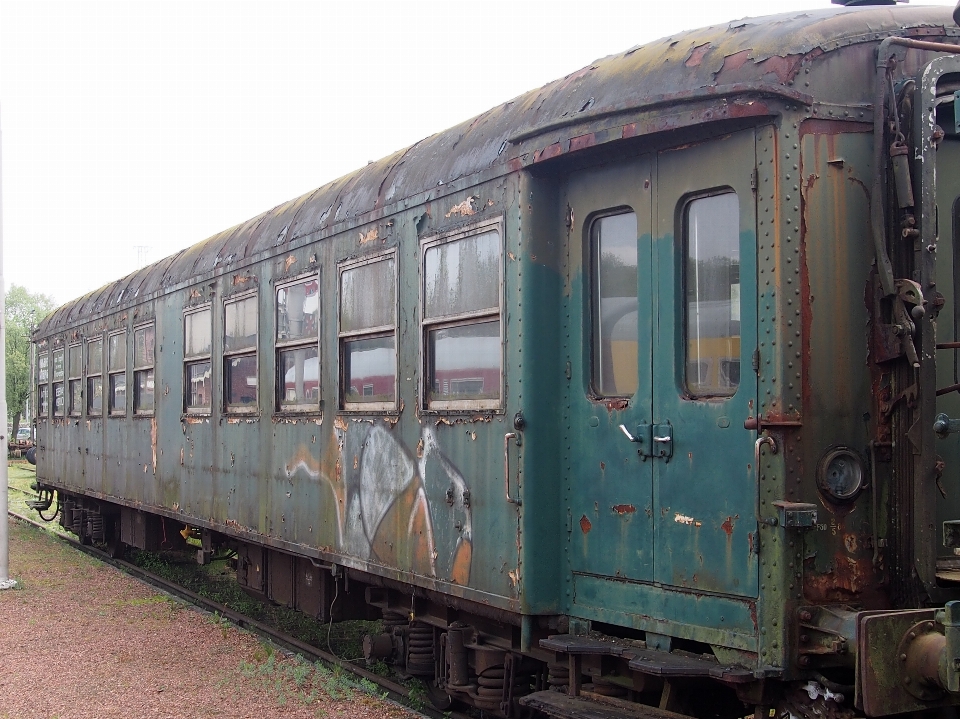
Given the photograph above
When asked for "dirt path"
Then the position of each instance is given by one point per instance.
(79, 639)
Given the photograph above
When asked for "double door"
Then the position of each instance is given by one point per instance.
(662, 329)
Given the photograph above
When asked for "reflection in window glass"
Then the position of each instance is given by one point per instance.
(367, 296)
(615, 305)
(240, 324)
(43, 368)
(370, 370)
(197, 333)
(94, 396)
(76, 396)
(76, 361)
(466, 362)
(241, 381)
(712, 284)
(94, 356)
(143, 342)
(116, 352)
(199, 386)
(57, 365)
(118, 393)
(43, 400)
(299, 371)
(59, 399)
(143, 391)
(462, 276)
(298, 311)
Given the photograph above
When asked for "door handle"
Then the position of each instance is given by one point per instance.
(506, 466)
(663, 439)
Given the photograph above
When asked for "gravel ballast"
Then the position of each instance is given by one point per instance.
(80, 639)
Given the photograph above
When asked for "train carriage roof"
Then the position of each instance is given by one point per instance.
(767, 50)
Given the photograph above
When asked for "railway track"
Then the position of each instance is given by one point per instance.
(397, 692)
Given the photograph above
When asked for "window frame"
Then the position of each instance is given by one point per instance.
(228, 355)
(88, 410)
(190, 360)
(596, 392)
(138, 369)
(713, 363)
(462, 319)
(286, 345)
(376, 332)
(113, 411)
(55, 381)
(72, 410)
(42, 408)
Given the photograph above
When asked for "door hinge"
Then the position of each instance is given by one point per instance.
(755, 361)
(754, 179)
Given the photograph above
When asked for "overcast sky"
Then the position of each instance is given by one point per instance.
(154, 125)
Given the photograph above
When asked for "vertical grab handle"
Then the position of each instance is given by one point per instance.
(506, 467)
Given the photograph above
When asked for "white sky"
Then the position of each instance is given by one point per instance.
(158, 124)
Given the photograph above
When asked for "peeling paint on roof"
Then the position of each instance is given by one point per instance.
(767, 50)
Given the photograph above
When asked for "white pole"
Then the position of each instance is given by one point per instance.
(5, 581)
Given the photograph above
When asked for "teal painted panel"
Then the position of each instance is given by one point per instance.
(705, 496)
(709, 618)
(610, 498)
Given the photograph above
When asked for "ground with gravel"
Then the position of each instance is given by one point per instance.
(79, 639)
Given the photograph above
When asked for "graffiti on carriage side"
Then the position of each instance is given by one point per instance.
(409, 510)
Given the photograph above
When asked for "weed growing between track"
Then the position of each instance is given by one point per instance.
(218, 581)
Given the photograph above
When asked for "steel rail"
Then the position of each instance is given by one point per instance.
(284, 640)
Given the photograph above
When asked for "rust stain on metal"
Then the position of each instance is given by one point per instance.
(735, 61)
(624, 509)
(727, 525)
(356, 461)
(696, 55)
(420, 449)
(369, 236)
(583, 141)
(464, 209)
(289, 262)
(846, 580)
(554, 150)
(181, 456)
(195, 294)
(239, 280)
(585, 524)
(340, 423)
(850, 542)
(689, 521)
(616, 404)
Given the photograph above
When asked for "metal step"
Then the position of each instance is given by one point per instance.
(650, 661)
(563, 706)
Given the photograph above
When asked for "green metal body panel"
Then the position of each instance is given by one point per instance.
(543, 505)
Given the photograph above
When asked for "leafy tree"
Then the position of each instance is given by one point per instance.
(24, 309)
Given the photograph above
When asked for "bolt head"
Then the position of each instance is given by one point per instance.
(803, 661)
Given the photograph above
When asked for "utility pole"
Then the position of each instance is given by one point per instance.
(5, 581)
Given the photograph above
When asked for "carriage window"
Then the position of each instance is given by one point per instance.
(712, 282)
(368, 349)
(613, 247)
(43, 391)
(197, 382)
(59, 398)
(95, 377)
(240, 354)
(117, 365)
(298, 359)
(75, 379)
(461, 322)
(144, 339)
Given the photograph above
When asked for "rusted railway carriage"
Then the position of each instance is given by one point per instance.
(642, 382)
